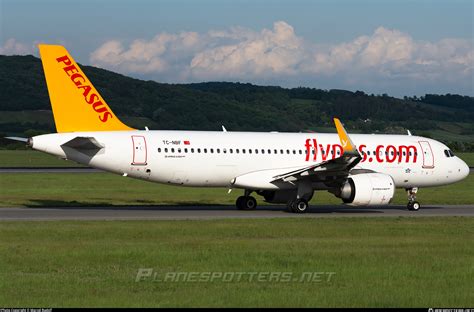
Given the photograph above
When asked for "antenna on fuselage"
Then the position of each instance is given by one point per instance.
(409, 133)
(224, 129)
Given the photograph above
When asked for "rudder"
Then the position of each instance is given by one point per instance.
(76, 104)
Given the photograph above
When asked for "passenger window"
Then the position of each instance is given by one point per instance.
(263, 151)
(172, 150)
(185, 150)
(275, 152)
(212, 150)
(199, 150)
(287, 151)
(205, 150)
(218, 151)
(250, 151)
(231, 151)
(159, 150)
(166, 150)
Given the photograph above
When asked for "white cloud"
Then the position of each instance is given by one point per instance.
(13, 47)
(141, 56)
(269, 52)
(387, 57)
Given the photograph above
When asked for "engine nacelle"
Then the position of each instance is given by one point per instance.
(368, 189)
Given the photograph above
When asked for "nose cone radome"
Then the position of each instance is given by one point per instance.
(463, 170)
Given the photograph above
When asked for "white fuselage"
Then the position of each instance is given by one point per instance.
(204, 158)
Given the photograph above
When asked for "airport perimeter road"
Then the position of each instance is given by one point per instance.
(219, 212)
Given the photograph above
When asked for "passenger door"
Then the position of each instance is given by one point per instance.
(427, 152)
(139, 150)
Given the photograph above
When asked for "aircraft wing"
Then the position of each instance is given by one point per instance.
(329, 170)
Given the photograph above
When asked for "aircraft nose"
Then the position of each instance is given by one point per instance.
(463, 170)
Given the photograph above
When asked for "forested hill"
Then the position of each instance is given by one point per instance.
(238, 106)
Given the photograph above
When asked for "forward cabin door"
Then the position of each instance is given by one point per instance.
(139, 150)
(427, 152)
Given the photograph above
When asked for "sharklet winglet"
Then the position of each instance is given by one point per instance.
(347, 145)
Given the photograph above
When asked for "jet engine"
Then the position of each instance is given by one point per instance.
(367, 189)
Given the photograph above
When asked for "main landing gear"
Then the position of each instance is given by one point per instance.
(298, 205)
(303, 196)
(413, 205)
(246, 202)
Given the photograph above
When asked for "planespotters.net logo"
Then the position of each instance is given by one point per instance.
(152, 275)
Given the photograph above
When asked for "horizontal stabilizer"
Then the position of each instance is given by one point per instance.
(83, 143)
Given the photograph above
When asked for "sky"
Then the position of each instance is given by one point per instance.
(395, 47)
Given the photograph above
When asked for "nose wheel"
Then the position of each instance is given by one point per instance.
(246, 202)
(412, 205)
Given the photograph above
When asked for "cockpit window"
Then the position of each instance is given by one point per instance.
(448, 153)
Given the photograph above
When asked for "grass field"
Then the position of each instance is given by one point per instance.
(65, 189)
(31, 158)
(377, 262)
(467, 157)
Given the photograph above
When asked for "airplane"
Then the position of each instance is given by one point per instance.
(287, 168)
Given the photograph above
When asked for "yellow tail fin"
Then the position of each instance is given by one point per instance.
(77, 106)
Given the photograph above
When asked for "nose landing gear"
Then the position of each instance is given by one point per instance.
(412, 205)
(246, 202)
